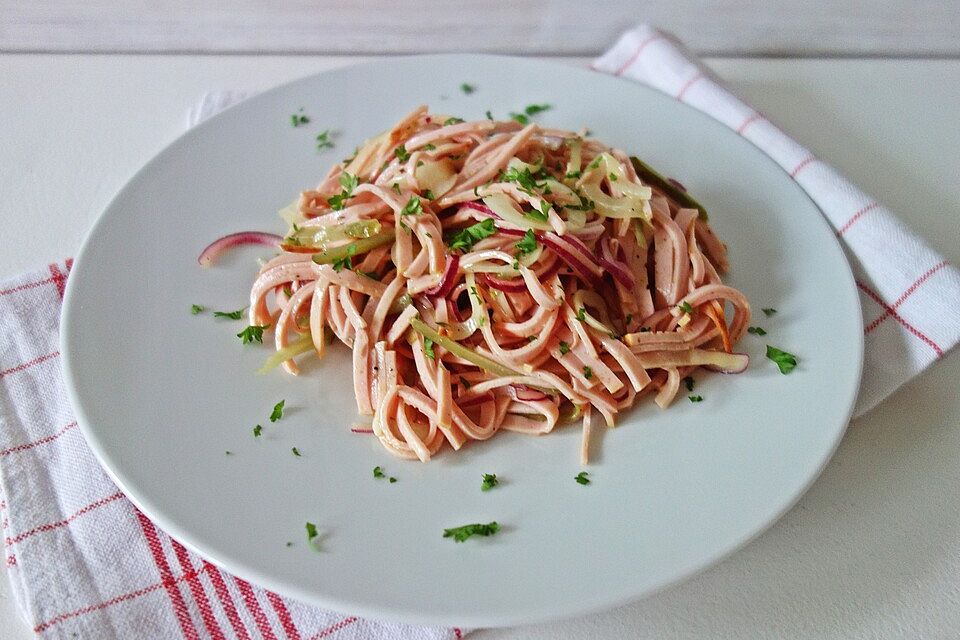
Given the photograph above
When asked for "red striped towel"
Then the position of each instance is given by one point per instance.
(83, 562)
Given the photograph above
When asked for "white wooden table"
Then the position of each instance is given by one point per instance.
(872, 551)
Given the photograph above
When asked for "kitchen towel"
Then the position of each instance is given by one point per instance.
(83, 562)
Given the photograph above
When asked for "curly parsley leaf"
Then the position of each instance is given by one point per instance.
(469, 236)
(413, 207)
(489, 481)
(349, 183)
(787, 362)
(277, 412)
(460, 534)
(253, 333)
(528, 244)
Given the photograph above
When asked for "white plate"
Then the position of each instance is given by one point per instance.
(161, 394)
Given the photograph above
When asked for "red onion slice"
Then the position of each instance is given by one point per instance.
(514, 285)
(449, 278)
(482, 208)
(616, 268)
(215, 248)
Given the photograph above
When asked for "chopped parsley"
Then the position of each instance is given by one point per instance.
(787, 362)
(413, 207)
(523, 177)
(232, 315)
(531, 338)
(195, 309)
(299, 118)
(295, 451)
(460, 534)
(534, 109)
(582, 314)
(346, 262)
(519, 117)
(489, 115)
(428, 194)
(349, 183)
(613, 177)
(695, 398)
(468, 236)
(253, 333)
(277, 412)
(769, 311)
(324, 141)
(392, 479)
(428, 348)
(257, 430)
(402, 154)
(467, 88)
(689, 382)
(572, 175)
(429, 147)
(564, 348)
(757, 331)
(378, 472)
(540, 214)
(312, 535)
(685, 307)
(582, 478)
(453, 120)
(587, 372)
(396, 187)
(629, 318)
(489, 481)
(229, 453)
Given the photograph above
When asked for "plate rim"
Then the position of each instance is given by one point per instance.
(331, 600)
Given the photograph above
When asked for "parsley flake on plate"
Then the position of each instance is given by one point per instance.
(489, 481)
(695, 398)
(689, 382)
(467, 88)
(787, 362)
(582, 478)
(312, 535)
(257, 430)
(299, 118)
(277, 412)
(378, 472)
(195, 309)
(253, 333)
(460, 534)
(295, 451)
(769, 311)
(402, 154)
(324, 141)
(757, 331)
(230, 315)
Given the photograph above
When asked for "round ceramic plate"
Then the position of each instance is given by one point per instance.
(162, 394)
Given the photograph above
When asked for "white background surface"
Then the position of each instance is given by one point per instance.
(534, 27)
(873, 550)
